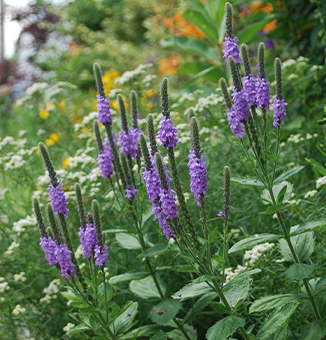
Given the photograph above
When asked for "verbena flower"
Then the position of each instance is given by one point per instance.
(101, 255)
(168, 203)
(63, 255)
(279, 111)
(104, 110)
(88, 239)
(58, 199)
(128, 141)
(198, 179)
(107, 142)
(240, 104)
(262, 95)
(131, 192)
(231, 48)
(105, 160)
(167, 133)
(162, 222)
(49, 247)
(249, 84)
(236, 126)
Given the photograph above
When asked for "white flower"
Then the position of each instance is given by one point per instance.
(79, 252)
(11, 248)
(68, 327)
(295, 138)
(40, 132)
(52, 288)
(129, 75)
(4, 286)
(21, 133)
(308, 136)
(26, 222)
(18, 310)
(311, 193)
(172, 240)
(320, 181)
(36, 87)
(288, 63)
(20, 277)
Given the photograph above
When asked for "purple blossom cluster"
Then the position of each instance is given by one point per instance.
(49, 247)
(240, 104)
(249, 84)
(104, 110)
(231, 49)
(88, 239)
(263, 96)
(168, 203)
(167, 133)
(237, 127)
(279, 111)
(105, 160)
(63, 255)
(107, 142)
(131, 192)
(101, 255)
(162, 221)
(198, 179)
(58, 199)
(128, 141)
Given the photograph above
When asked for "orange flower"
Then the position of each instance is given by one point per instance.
(169, 66)
(270, 26)
(268, 8)
(255, 6)
(245, 13)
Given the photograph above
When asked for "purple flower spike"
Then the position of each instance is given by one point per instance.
(167, 133)
(162, 221)
(131, 192)
(249, 84)
(107, 142)
(169, 207)
(231, 49)
(237, 127)
(240, 105)
(101, 255)
(263, 96)
(58, 199)
(221, 214)
(128, 142)
(198, 179)
(49, 247)
(105, 159)
(153, 184)
(63, 256)
(88, 240)
(279, 111)
(104, 110)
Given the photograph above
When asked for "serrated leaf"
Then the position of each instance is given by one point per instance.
(146, 288)
(224, 328)
(220, 308)
(285, 186)
(310, 226)
(199, 306)
(276, 320)
(128, 241)
(127, 277)
(177, 334)
(141, 332)
(192, 290)
(165, 311)
(270, 302)
(124, 321)
(247, 180)
(299, 271)
(272, 209)
(72, 297)
(236, 292)
(320, 287)
(288, 174)
(159, 248)
(281, 334)
(253, 241)
(314, 331)
(218, 258)
(186, 269)
(159, 336)
(78, 329)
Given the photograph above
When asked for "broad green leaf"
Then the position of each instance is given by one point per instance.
(277, 188)
(147, 215)
(320, 287)
(321, 169)
(176, 334)
(281, 334)
(212, 235)
(188, 268)
(253, 241)
(224, 328)
(192, 46)
(124, 321)
(287, 174)
(128, 241)
(247, 180)
(192, 290)
(213, 73)
(299, 271)
(71, 296)
(165, 311)
(270, 302)
(220, 308)
(251, 30)
(236, 292)
(114, 231)
(203, 23)
(127, 277)
(197, 4)
(199, 306)
(272, 209)
(216, 10)
(78, 329)
(310, 225)
(159, 248)
(141, 332)
(276, 320)
(314, 331)
(101, 290)
(159, 336)
(146, 288)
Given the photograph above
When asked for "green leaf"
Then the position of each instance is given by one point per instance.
(127, 277)
(320, 287)
(213, 73)
(218, 258)
(202, 251)
(253, 241)
(197, 4)
(283, 189)
(78, 329)
(272, 209)
(177, 334)
(236, 292)
(251, 30)
(212, 235)
(224, 328)
(165, 311)
(192, 46)
(199, 306)
(146, 288)
(114, 231)
(101, 290)
(128, 241)
(321, 169)
(303, 246)
(124, 321)
(314, 331)
(159, 336)
(220, 308)
(192, 290)
(270, 302)
(310, 225)
(216, 10)
(71, 296)
(241, 276)
(287, 174)
(141, 332)
(147, 215)
(159, 248)
(247, 180)
(276, 320)
(299, 271)
(281, 334)
(188, 268)
(203, 23)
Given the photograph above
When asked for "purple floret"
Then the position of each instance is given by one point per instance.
(279, 111)
(198, 179)
(237, 127)
(58, 199)
(88, 240)
(101, 255)
(162, 221)
(105, 160)
(63, 256)
(263, 96)
(49, 247)
(168, 203)
(153, 184)
(128, 142)
(131, 192)
(249, 84)
(231, 49)
(240, 105)
(104, 110)
(167, 133)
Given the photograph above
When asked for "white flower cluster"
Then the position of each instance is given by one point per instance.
(20, 225)
(148, 79)
(19, 310)
(8, 140)
(287, 63)
(20, 277)
(186, 96)
(208, 102)
(253, 256)
(295, 138)
(14, 245)
(3, 285)
(51, 291)
(81, 158)
(311, 193)
(45, 180)
(68, 327)
(230, 274)
(320, 181)
(16, 161)
(86, 120)
(130, 75)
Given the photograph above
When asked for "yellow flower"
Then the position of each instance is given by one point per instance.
(44, 114)
(54, 137)
(94, 105)
(37, 151)
(85, 130)
(49, 142)
(65, 163)
(149, 93)
(62, 105)
(149, 106)
(65, 187)
(115, 104)
(109, 80)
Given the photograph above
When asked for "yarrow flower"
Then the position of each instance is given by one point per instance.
(198, 179)
(49, 247)
(167, 133)
(105, 159)
(101, 255)
(104, 110)
(263, 96)
(162, 221)
(236, 126)
(128, 141)
(231, 48)
(249, 84)
(279, 111)
(58, 199)
(131, 192)
(168, 203)
(62, 253)
(88, 239)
